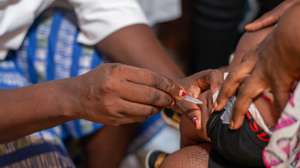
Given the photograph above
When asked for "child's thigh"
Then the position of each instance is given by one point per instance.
(188, 157)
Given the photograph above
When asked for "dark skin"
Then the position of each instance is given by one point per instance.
(148, 54)
(112, 149)
(112, 94)
(213, 79)
(152, 55)
(89, 96)
(246, 47)
(48, 104)
(270, 18)
(279, 48)
(156, 59)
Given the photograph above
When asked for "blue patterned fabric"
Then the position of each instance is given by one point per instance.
(51, 52)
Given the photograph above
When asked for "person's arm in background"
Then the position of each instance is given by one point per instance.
(120, 30)
(137, 45)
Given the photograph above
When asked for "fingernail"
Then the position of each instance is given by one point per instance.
(195, 120)
(172, 103)
(214, 89)
(196, 123)
(212, 110)
(182, 92)
(231, 125)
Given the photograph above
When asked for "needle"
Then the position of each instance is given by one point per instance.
(192, 100)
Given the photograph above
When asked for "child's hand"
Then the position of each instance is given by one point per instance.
(190, 135)
(194, 86)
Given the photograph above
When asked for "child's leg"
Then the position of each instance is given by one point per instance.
(188, 157)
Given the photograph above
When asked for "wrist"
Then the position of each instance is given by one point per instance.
(67, 98)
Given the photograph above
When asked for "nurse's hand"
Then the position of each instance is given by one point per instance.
(115, 94)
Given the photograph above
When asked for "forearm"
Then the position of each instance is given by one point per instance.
(29, 109)
(137, 45)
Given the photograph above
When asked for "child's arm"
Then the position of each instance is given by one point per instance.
(189, 134)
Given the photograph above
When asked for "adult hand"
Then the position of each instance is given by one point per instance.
(248, 42)
(115, 94)
(279, 48)
(263, 78)
(270, 18)
(242, 64)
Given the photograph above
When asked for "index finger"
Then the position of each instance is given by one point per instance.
(251, 88)
(232, 82)
(151, 79)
